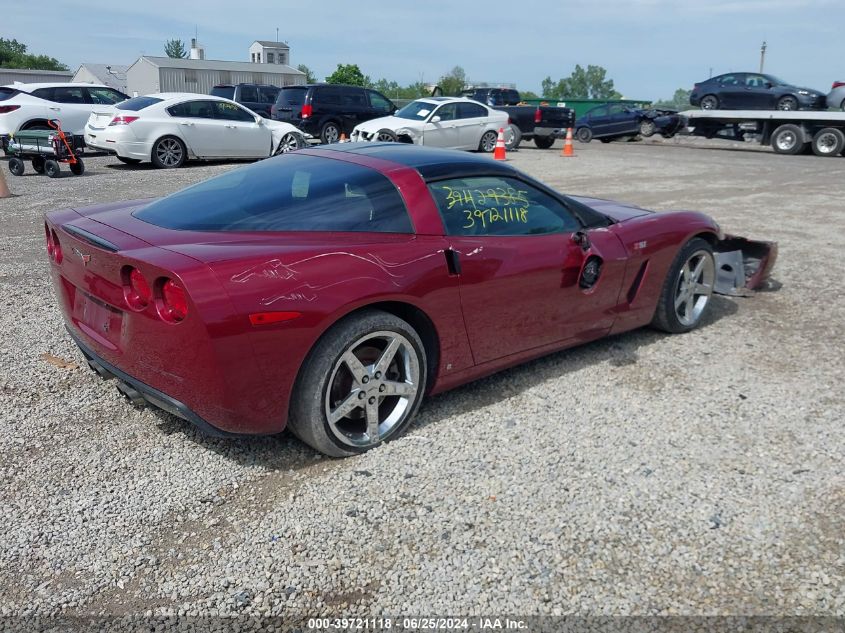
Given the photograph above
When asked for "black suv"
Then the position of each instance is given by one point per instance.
(257, 97)
(329, 110)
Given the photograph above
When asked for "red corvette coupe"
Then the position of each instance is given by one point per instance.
(328, 290)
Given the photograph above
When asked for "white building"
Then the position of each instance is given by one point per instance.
(112, 75)
(26, 76)
(264, 52)
(166, 74)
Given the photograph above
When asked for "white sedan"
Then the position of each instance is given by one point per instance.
(449, 122)
(30, 106)
(171, 128)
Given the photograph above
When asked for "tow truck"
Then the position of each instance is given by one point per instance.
(787, 131)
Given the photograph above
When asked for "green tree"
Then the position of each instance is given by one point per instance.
(310, 77)
(527, 94)
(13, 54)
(348, 74)
(393, 90)
(589, 83)
(453, 82)
(680, 100)
(175, 49)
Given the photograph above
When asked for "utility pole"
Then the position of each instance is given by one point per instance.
(762, 55)
(277, 33)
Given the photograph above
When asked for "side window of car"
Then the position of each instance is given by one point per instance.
(267, 94)
(448, 112)
(231, 112)
(43, 93)
(755, 81)
(249, 94)
(378, 102)
(598, 112)
(105, 96)
(729, 80)
(68, 95)
(494, 205)
(354, 98)
(326, 97)
(616, 109)
(193, 109)
(471, 111)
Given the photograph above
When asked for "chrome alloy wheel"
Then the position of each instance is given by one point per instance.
(694, 287)
(488, 141)
(786, 140)
(372, 388)
(384, 137)
(169, 152)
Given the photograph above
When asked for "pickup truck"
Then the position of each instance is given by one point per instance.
(542, 123)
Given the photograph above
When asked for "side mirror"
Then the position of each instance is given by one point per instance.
(768, 84)
(259, 119)
(435, 119)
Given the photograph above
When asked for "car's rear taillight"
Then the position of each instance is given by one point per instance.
(836, 84)
(538, 116)
(57, 248)
(173, 304)
(307, 111)
(8, 108)
(123, 120)
(136, 289)
(273, 110)
(49, 238)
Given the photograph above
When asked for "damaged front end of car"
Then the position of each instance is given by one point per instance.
(743, 265)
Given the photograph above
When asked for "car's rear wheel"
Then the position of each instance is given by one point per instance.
(584, 134)
(360, 386)
(128, 161)
(16, 166)
(787, 103)
(544, 142)
(330, 133)
(647, 128)
(291, 142)
(788, 139)
(828, 142)
(488, 141)
(687, 289)
(168, 153)
(386, 136)
(709, 102)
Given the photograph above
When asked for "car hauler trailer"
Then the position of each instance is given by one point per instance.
(788, 132)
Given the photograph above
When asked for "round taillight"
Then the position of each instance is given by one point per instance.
(57, 248)
(49, 241)
(174, 303)
(136, 290)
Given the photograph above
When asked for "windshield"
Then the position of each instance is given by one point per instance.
(416, 110)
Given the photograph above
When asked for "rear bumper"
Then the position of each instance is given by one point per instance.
(557, 132)
(142, 394)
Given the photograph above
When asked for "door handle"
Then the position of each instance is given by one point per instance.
(232, 127)
(54, 108)
(186, 123)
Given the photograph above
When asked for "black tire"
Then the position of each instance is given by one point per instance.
(319, 376)
(77, 168)
(666, 315)
(788, 139)
(647, 128)
(52, 169)
(544, 142)
(487, 144)
(787, 103)
(709, 102)
(291, 142)
(606, 140)
(169, 152)
(584, 134)
(386, 136)
(515, 138)
(38, 164)
(828, 141)
(128, 161)
(16, 166)
(330, 133)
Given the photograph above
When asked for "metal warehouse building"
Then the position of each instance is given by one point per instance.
(165, 74)
(26, 76)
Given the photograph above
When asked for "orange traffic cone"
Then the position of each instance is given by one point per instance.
(499, 152)
(567, 145)
(4, 188)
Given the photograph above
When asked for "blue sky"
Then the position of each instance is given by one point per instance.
(649, 47)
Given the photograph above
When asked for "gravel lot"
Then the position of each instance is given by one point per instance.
(644, 474)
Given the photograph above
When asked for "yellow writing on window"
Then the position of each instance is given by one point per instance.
(487, 206)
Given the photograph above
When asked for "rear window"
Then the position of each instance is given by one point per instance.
(137, 103)
(291, 96)
(227, 92)
(287, 193)
(6, 93)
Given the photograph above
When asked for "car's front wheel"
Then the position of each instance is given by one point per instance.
(386, 136)
(647, 128)
(330, 133)
(290, 142)
(168, 153)
(710, 102)
(360, 386)
(687, 289)
(787, 103)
